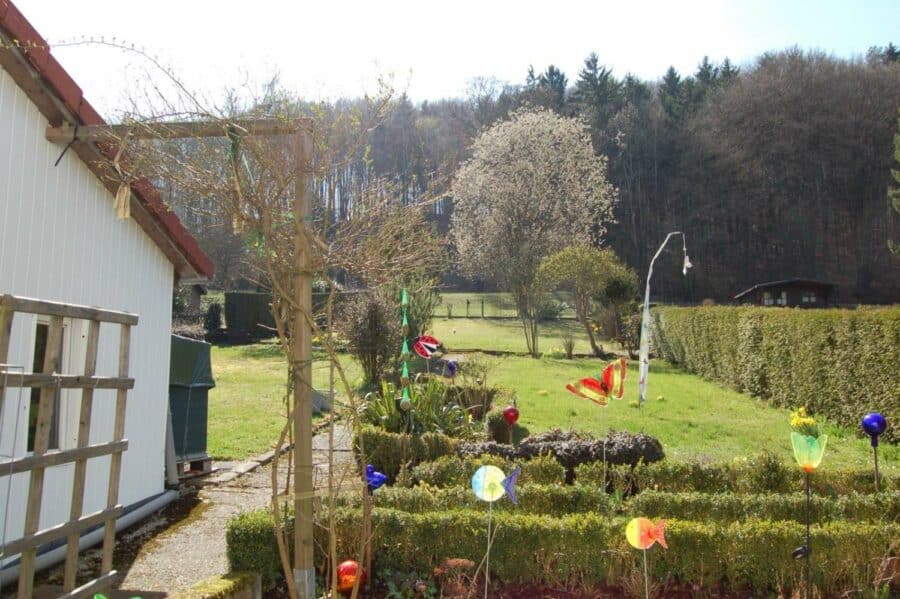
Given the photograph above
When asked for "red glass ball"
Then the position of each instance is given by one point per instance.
(346, 573)
(511, 415)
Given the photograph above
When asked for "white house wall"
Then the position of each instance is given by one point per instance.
(60, 240)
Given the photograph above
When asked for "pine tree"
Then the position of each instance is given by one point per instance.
(671, 94)
(728, 72)
(597, 96)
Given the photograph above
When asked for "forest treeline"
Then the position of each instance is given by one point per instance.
(777, 169)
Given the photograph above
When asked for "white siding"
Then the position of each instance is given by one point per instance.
(60, 240)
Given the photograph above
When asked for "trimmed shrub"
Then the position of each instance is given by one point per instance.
(571, 449)
(212, 320)
(249, 311)
(454, 471)
(727, 477)
(726, 507)
(589, 548)
(250, 545)
(845, 366)
(392, 452)
(551, 499)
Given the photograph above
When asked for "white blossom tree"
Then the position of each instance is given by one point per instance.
(532, 187)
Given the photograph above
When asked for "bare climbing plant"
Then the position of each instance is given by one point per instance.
(249, 181)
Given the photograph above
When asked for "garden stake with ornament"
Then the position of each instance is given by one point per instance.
(644, 345)
(511, 416)
(642, 534)
(874, 425)
(809, 447)
(489, 484)
(611, 383)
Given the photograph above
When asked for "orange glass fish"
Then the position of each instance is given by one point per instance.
(642, 533)
(611, 383)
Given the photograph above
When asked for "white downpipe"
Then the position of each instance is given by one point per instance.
(50, 558)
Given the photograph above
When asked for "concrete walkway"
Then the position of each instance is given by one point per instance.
(185, 543)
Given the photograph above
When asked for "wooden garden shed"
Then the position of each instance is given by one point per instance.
(63, 244)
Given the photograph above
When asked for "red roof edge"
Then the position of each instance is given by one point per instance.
(58, 80)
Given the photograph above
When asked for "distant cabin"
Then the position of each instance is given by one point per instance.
(790, 293)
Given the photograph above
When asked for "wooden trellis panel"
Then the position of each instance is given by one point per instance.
(42, 458)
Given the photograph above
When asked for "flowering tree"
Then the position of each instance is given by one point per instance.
(532, 187)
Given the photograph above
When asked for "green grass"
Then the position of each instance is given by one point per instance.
(246, 408)
(698, 420)
(508, 335)
(496, 303)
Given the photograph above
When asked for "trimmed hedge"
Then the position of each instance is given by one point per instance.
(245, 311)
(588, 548)
(392, 452)
(839, 363)
(249, 311)
(729, 477)
(453, 471)
(878, 507)
(250, 545)
(555, 500)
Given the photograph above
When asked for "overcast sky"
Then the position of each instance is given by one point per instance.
(433, 49)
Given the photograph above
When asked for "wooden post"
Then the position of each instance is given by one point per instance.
(41, 444)
(84, 434)
(301, 364)
(115, 464)
(6, 318)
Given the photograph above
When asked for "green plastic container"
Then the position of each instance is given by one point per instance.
(190, 379)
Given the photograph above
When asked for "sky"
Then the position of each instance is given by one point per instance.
(431, 50)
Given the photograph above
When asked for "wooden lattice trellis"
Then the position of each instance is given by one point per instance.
(49, 380)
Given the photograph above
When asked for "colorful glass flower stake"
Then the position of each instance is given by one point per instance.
(874, 425)
(374, 480)
(611, 383)
(404, 401)
(511, 416)
(809, 447)
(425, 347)
(490, 484)
(643, 534)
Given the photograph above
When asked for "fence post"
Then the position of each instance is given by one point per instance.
(467, 307)
(482, 307)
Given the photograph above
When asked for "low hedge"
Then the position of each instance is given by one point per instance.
(877, 507)
(554, 500)
(250, 545)
(750, 476)
(557, 500)
(587, 548)
(391, 453)
(845, 366)
(453, 471)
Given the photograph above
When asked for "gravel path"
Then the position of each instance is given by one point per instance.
(185, 543)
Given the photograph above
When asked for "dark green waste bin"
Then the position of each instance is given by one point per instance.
(190, 379)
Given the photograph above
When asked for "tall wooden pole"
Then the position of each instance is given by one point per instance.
(301, 362)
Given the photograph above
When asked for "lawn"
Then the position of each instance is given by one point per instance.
(496, 303)
(246, 408)
(508, 335)
(696, 420)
